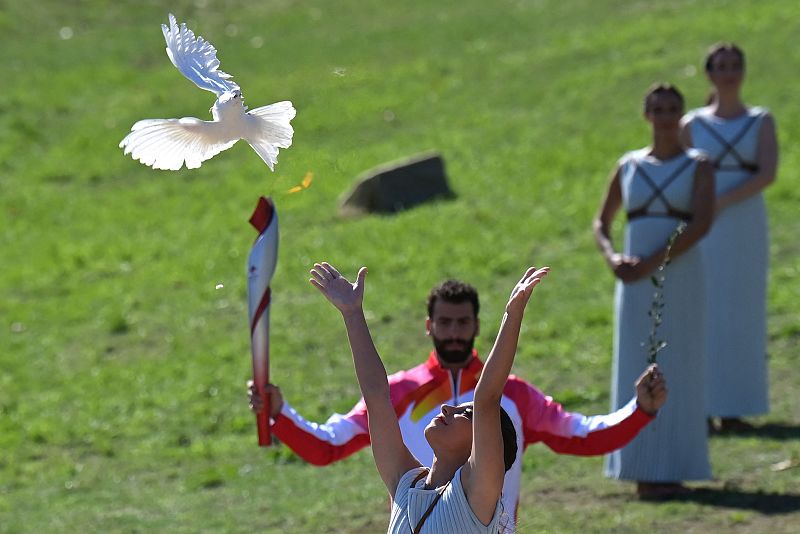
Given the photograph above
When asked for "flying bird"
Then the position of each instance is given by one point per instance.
(169, 143)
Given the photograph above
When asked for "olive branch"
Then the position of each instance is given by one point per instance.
(655, 345)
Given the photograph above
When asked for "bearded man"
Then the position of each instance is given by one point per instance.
(449, 376)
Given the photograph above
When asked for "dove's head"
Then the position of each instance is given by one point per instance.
(229, 102)
(231, 96)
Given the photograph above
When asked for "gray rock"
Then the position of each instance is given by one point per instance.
(398, 186)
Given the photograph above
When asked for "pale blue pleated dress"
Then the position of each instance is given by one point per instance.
(674, 447)
(736, 260)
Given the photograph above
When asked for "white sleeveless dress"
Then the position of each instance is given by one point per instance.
(736, 259)
(657, 194)
(451, 515)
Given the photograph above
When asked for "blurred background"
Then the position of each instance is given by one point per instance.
(124, 341)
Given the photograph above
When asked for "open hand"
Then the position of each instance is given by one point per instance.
(522, 291)
(346, 297)
(651, 389)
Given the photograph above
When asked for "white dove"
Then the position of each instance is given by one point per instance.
(169, 143)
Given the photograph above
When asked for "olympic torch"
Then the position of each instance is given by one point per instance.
(261, 267)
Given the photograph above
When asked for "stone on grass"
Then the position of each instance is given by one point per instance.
(398, 186)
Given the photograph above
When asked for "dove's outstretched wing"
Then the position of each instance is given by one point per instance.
(168, 143)
(196, 58)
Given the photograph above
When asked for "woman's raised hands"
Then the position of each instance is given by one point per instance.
(345, 296)
(522, 291)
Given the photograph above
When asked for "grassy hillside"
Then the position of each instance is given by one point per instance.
(122, 399)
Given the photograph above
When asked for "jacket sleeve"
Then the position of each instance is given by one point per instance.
(337, 438)
(564, 432)
(322, 444)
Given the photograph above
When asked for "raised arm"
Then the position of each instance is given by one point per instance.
(485, 470)
(392, 457)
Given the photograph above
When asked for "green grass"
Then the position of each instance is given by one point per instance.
(122, 402)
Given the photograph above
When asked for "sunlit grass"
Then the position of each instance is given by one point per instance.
(122, 402)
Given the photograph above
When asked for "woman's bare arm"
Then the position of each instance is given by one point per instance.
(392, 457)
(621, 265)
(485, 471)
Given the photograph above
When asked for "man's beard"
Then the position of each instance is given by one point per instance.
(462, 354)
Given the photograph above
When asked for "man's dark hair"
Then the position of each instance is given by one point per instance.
(454, 292)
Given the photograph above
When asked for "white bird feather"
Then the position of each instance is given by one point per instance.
(170, 143)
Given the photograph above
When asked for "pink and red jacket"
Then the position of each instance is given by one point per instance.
(417, 395)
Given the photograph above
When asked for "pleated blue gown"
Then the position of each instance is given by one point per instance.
(674, 447)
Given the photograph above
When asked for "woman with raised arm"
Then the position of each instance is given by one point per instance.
(658, 187)
(742, 145)
(473, 443)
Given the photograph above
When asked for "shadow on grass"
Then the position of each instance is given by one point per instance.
(777, 431)
(757, 501)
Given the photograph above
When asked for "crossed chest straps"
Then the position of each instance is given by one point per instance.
(658, 192)
(729, 147)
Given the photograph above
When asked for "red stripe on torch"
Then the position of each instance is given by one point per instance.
(262, 261)
(262, 417)
(262, 305)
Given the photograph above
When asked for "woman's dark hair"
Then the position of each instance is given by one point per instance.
(715, 50)
(509, 439)
(454, 292)
(661, 89)
(719, 48)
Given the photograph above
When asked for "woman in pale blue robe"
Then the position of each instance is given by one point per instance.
(659, 187)
(741, 142)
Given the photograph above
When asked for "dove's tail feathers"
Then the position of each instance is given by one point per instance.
(270, 130)
(268, 152)
(167, 144)
(277, 112)
(273, 123)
